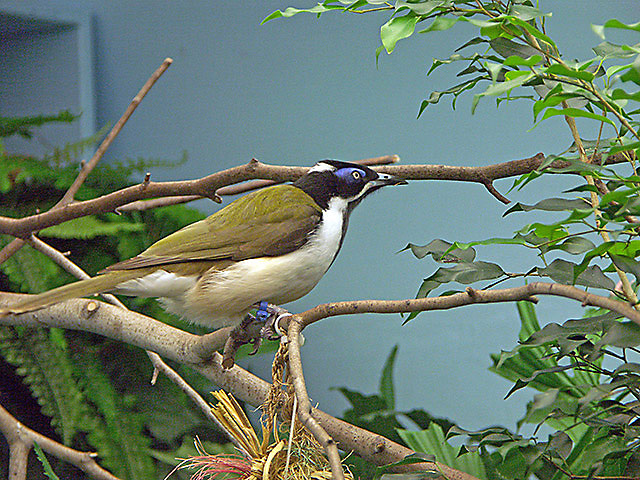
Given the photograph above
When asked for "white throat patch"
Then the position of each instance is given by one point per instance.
(322, 167)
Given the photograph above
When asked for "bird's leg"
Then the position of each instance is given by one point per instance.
(256, 326)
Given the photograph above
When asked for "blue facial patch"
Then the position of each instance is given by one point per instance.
(347, 174)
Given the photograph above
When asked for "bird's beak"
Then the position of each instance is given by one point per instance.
(386, 179)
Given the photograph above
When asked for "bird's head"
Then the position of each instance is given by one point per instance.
(350, 182)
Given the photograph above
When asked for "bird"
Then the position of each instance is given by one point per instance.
(272, 245)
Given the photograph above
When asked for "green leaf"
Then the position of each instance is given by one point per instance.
(629, 249)
(550, 205)
(440, 24)
(562, 271)
(422, 8)
(432, 441)
(575, 113)
(508, 48)
(396, 29)
(613, 23)
(290, 11)
(441, 251)
(532, 30)
(574, 245)
(48, 471)
(465, 273)
(500, 88)
(565, 71)
(516, 60)
(456, 90)
(622, 334)
(526, 12)
(386, 381)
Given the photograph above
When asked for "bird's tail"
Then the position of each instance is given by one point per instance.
(99, 284)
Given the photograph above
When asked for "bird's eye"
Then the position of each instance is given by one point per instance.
(356, 174)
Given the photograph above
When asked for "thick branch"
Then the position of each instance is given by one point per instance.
(183, 347)
(20, 439)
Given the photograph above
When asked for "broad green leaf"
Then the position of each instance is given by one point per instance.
(386, 381)
(421, 8)
(432, 441)
(627, 265)
(562, 271)
(574, 245)
(290, 11)
(396, 29)
(455, 91)
(629, 249)
(562, 70)
(574, 112)
(622, 334)
(613, 23)
(515, 60)
(442, 251)
(532, 30)
(550, 205)
(612, 50)
(508, 48)
(525, 12)
(500, 88)
(440, 24)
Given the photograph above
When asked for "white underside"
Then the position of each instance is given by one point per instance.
(223, 297)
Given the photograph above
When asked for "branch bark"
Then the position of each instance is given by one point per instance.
(207, 187)
(183, 347)
(21, 438)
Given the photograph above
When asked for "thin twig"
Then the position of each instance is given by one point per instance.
(108, 140)
(88, 167)
(207, 186)
(236, 189)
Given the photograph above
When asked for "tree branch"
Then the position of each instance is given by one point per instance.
(304, 405)
(87, 168)
(208, 186)
(183, 347)
(21, 438)
(236, 189)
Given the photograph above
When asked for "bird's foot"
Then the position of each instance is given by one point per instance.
(254, 328)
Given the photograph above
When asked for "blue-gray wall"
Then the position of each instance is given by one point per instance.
(299, 90)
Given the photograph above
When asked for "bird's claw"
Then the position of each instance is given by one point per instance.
(253, 329)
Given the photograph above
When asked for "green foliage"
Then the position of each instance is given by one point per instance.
(585, 372)
(51, 475)
(23, 126)
(94, 391)
(377, 413)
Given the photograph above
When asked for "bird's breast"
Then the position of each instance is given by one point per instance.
(231, 292)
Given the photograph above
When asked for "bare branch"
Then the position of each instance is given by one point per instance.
(21, 438)
(88, 167)
(234, 189)
(183, 347)
(108, 140)
(305, 409)
(207, 187)
(470, 296)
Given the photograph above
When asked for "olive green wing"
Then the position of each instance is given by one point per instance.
(269, 222)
